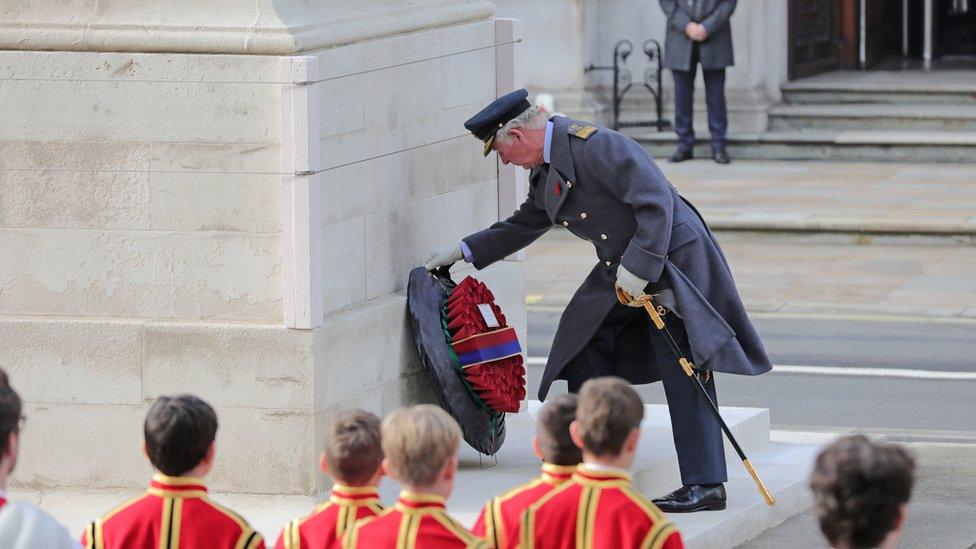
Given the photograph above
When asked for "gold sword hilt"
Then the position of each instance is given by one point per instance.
(646, 301)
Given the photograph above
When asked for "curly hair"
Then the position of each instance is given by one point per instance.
(859, 487)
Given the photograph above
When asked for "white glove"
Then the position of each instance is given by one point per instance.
(630, 283)
(444, 256)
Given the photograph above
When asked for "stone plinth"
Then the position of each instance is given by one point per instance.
(148, 238)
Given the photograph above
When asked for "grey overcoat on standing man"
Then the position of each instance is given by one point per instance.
(716, 51)
(605, 188)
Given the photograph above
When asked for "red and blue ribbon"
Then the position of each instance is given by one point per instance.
(487, 347)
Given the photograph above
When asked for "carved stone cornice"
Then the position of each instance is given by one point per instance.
(255, 27)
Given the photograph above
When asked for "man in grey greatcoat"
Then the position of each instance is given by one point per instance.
(699, 33)
(604, 187)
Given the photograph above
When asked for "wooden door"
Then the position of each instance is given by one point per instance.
(815, 36)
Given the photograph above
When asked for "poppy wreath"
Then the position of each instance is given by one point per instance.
(488, 353)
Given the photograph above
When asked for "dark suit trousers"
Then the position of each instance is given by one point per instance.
(697, 436)
(684, 95)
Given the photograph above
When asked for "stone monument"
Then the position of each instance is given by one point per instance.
(225, 197)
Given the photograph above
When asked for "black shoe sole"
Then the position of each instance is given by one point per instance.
(720, 506)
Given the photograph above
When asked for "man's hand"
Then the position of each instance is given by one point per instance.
(630, 283)
(444, 256)
(696, 31)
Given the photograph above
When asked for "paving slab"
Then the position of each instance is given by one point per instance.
(797, 274)
(873, 197)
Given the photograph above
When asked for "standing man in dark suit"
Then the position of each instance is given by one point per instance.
(699, 32)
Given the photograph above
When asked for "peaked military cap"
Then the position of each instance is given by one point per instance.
(491, 118)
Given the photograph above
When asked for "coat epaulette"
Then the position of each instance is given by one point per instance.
(581, 131)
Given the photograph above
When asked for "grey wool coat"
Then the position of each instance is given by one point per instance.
(605, 188)
(716, 51)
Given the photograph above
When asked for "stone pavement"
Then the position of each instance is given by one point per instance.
(859, 238)
(892, 198)
(813, 274)
(939, 514)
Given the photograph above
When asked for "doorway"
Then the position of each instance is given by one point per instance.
(827, 35)
(918, 33)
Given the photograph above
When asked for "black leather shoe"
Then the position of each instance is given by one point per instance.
(681, 155)
(697, 497)
(719, 156)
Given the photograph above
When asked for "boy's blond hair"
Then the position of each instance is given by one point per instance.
(418, 441)
(352, 447)
(608, 410)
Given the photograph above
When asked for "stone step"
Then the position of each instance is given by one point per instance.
(952, 87)
(783, 467)
(655, 470)
(880, 116)
(902, 146)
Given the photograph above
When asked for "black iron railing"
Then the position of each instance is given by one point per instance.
(623, 80)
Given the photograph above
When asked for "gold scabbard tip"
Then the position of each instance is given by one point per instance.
(688, 367)
(770, 500)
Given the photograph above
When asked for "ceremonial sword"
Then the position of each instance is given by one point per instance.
(645, 301)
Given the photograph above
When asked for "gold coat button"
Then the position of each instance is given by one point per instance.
(565, 223)
(603, 236)
(583, 215)
(608, 263)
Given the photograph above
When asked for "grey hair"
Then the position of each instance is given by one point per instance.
(534, 118)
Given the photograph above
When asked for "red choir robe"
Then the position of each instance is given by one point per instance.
(597, 509)
(416, 521)
(499, 520)
(174, 512)
(325, 527)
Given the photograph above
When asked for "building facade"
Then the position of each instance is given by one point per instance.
(919, 49)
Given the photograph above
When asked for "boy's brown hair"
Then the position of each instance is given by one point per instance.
(552, 431)
(179, 430)
(10, 409)
(352, 447)
(418, 441)
(859, 487)
(608, 410)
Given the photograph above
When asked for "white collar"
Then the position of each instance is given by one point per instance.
(601, 467)
(547, 147)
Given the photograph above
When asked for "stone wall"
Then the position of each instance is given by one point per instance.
(140, 225)
(383, 210)
(142, 221)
